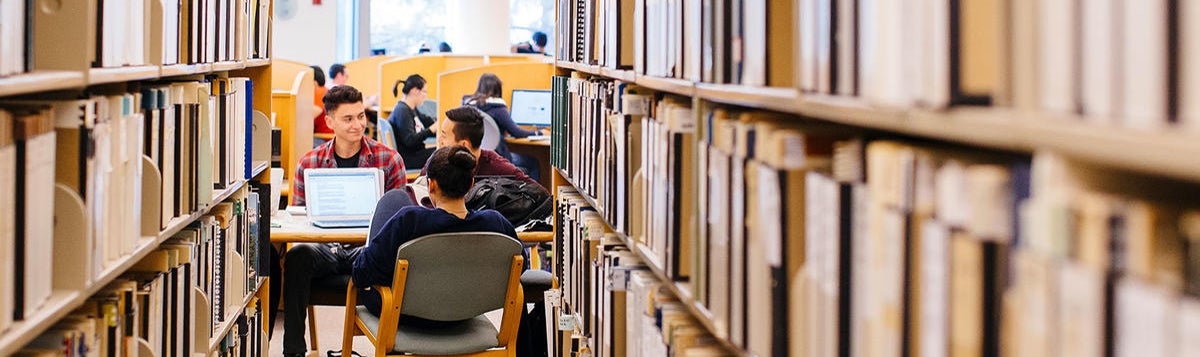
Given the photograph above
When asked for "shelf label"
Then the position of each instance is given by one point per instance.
(566, 323)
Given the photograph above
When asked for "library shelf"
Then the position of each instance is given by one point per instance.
(259, 168)
(1162, 152)
(228, 66)
(257, 62)
(682, 290)
(619, 74)
(185, 69)
(231, 318)
(63, 302)
(122, 74)
(40, 81)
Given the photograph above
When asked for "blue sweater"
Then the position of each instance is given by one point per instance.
(377, 263)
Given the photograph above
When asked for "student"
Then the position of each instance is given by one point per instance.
(489, 98)
(451, 175)
(338, 75)
(319, 95)
(464, 127)
(444, 47)
(308, 262)
(412, 127)
(537, 46)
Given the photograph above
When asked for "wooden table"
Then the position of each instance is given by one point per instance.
(538, 149)
(289, 228)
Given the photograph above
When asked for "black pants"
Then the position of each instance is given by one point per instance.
(303, 264)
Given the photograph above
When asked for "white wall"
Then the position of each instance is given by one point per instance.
(310, 35)
(477, 26)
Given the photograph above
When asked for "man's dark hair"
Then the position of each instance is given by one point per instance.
(453, 168)
(540, 38)
(340, 95)
(335, 69)
(444, 47)
(318, 75)
(468, 124)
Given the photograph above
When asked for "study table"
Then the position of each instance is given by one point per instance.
(289, 228)
(538, 149)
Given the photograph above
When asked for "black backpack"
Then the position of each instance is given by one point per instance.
(522, 203)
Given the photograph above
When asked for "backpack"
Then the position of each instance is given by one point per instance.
(520, 202)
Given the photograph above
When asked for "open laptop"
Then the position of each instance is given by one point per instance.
(342, 198)
(531, 107)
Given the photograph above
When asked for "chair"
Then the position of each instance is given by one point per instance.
(385, 134)
(428, 107)
(491, 133)
(436, 279)
(331, 291)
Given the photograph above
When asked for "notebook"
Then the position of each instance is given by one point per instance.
(531, 107)
(342, 198)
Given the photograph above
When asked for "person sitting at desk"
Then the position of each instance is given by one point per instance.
(489, 98)
(451, 175)
(308, 262)
(411, 126)
(464, 127)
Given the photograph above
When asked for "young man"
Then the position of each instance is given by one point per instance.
(337, 75)
(309, 262)
(464, 126)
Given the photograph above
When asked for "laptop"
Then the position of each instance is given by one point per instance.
(531, 107)
(342, 198)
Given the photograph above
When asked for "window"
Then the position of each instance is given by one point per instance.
(401, 26)
(529, 16)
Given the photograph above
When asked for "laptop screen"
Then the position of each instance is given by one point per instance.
(531, 107)
(342, 192)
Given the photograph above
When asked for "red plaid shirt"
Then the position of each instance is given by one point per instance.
(373, 154)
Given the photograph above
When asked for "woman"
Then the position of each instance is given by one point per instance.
(412, 127)
(451, 174)
(318, 106)
(489, 98)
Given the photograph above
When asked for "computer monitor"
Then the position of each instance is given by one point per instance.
(531, 107)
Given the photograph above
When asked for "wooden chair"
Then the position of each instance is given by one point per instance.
(439, 278)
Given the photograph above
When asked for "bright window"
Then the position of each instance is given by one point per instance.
(401, 26)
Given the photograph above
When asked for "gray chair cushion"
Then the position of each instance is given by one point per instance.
(469, 336)
(448, 283)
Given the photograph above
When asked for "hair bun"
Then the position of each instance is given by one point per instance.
(462, 158)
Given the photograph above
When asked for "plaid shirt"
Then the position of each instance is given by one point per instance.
(373, 154)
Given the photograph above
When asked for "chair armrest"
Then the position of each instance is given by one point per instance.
(389, 318)
(514, 302)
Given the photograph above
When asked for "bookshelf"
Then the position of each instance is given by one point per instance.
(762, 134)
(40, 81)
(132, 77)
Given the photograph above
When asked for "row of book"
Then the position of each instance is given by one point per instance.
(158, 307)
(624, 308)
(131, 33)
(95, 151)
(1116, 62)
(12, 30)
(805, 238)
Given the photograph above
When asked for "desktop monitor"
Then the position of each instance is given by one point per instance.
(531, 107)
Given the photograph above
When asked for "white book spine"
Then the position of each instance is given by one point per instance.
(39, 220)
(1189, 65)
(1144, 72)
(1098, 60)
(1057, 53)
(8, 202)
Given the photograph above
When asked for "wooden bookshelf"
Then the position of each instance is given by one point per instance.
(260, 167)
(40, 81)
(122, 74)
(258, 62)
(63, 302)
(682, 290)
(185, 69)
(229, 66)
(231, 317)
(987, 127)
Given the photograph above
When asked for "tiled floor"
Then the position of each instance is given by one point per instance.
(329, 333)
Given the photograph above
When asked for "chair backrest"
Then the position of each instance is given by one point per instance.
(391, 202)
(428, 107)
(385, 134)
(457, 276)
(491, 133)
